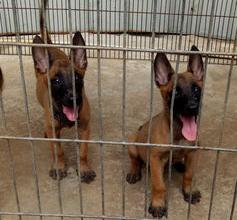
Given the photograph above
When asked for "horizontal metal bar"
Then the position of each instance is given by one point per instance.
(129, 12)
(182, 52)
(227, 149)
(70, 215)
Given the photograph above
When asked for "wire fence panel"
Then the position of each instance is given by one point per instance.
(123, 37)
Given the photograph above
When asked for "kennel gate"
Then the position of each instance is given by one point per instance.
(124, 29)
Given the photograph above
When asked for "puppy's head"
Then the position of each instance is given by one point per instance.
(188, 90)
(61, 74)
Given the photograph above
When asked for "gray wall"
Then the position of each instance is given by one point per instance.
(84, 16)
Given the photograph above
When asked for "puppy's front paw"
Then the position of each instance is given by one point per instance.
(57, 174)
(87, 176)
(195, 196)
(158, 211)
(133, 177)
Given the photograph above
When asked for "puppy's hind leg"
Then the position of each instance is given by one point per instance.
(134, 174)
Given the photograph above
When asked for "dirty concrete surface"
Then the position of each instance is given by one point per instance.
(137, 111)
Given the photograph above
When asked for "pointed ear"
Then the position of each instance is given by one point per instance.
(195, 64)
(163, 69)
(79, 54)
(40, 56)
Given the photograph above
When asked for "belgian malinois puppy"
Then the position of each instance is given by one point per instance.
(185, 112)
(58, 65)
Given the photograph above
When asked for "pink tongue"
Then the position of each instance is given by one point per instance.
(189, 129)
(70, 113)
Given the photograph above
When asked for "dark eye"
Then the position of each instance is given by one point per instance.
(57, 81)
(177, 91)
(77, 77)
(196, 90)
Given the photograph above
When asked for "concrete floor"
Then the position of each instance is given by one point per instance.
(137, 103)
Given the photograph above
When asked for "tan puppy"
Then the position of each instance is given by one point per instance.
(185, 112)
(60, 70)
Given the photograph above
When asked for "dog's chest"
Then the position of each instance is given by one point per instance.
(179, 152)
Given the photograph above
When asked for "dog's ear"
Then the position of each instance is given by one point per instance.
(163, 70)
(79, 54)
(40, 56)
(195, 64)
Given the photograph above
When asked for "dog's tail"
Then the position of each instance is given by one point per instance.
(1, 80)
(43, 28)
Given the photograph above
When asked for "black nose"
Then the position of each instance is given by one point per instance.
(193, 105)
(68, 99)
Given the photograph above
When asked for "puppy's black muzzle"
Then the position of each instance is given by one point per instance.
(68, 98)
(191, 108)
(188, 108)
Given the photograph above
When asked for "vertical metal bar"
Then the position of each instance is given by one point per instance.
(211, 24)
(84, 7)
(110, 27)
(177, 24)
(63, 19)
(31, 21)
(215, 23)
(115, 37)
(136, 14)
(221, 135)
(1, 23)
(6, 11)
(172, 102)
(154, 20)
(218, 23)
(24, 28)
(53, 122)
(3, 118)
(19, 51)
(142, 38)
(221, 25)
(168, 23)
(234, 201)
(228, 22)
(201, 103)
(106, 24)
(120, 6)
(52, 23)
(232, 26)
(13, 174)
(125, 25)
(74, 106)
(66, 24)
(199, 18)
(166, 9)
(57, 17)
(91, 12)
(204, 12)
(191, 23)
(188, 32)
(146, 23)
(198, 125)
(101, 129)
(213, 183)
